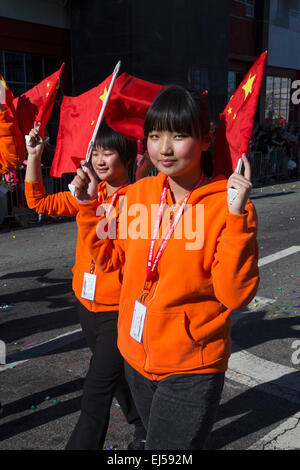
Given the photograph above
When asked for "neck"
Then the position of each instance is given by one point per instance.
(113, 186)
(180, 186)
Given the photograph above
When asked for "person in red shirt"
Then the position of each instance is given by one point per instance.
(188, 266)
(97, 293)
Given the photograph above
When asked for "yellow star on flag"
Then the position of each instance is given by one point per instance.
(3, 82)
(234, 117)
(102, 97)
(248, 86)
(229, 110)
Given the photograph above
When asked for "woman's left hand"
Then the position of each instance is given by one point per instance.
(243, 185)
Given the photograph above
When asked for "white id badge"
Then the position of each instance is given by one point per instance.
(138, 320)
(89, 286)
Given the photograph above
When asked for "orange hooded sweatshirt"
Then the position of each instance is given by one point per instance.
(12, 152)
(187, 324)
(108, 285)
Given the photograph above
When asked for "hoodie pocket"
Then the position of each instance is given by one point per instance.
(168, 344)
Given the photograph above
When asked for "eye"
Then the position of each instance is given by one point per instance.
(153, 136)
(180, 136)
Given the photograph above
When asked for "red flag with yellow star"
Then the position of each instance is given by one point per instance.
(78, 118)
(36, 104)
(236, 122)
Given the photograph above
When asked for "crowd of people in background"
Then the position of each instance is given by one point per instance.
(275, 152)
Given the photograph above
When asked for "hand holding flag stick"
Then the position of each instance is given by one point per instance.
(100, 118)
(239, 187)
(232, 192)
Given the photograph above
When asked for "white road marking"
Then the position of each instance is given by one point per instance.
(283, 437)
(280, 254)
(43, 348)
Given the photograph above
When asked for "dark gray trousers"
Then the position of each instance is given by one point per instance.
(179, 411)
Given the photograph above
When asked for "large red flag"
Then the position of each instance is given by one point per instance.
(236, 124)
(78, 118)
(36, 104)
(130, 100)
(127, 106)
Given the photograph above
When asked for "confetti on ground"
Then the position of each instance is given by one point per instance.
(7, 306)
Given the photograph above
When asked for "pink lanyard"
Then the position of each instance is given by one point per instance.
(152, 264)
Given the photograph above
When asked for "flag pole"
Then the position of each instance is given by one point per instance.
(100, 117)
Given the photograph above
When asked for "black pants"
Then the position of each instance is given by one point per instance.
(104, 380)
(179, 411)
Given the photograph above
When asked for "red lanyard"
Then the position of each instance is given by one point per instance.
(110, 207)
(113, 199)
(152, 263)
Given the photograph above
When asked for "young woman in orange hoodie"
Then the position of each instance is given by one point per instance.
(97, 294)
(189, 259)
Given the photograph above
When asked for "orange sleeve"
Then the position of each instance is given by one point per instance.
(58, 204)
(108, 253)
(12, 152)
(235, 269)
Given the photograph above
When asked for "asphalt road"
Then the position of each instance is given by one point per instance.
(47, 358)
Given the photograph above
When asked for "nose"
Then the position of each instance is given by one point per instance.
(100, 160)
(166, 146)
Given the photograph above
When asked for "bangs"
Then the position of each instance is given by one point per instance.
(108, 139)
(173, 110)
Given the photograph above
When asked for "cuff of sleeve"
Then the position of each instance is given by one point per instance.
(34, 188)
(87, 206)
(237, 222)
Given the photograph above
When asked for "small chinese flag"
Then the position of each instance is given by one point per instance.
(130, 100)
(36, 104)
(236, 122)
(78, 118)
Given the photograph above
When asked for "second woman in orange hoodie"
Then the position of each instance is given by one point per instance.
(97, 294)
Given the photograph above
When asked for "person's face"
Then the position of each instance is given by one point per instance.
(176, 154)
(107, 164)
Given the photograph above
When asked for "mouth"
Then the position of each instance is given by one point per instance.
(166, 162)
(102, 170)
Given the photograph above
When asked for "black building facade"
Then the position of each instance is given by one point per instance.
(164, 41)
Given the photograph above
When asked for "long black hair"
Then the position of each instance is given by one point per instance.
(179, 109)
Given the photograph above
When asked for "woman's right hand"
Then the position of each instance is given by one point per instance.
(85, 183)
(35, 145)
